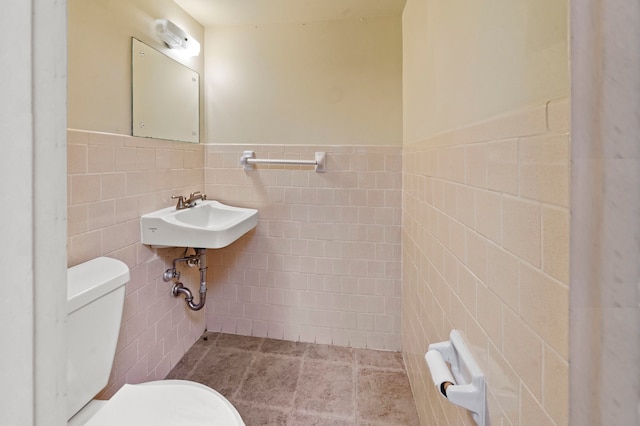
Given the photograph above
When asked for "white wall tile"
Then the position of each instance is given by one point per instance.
(324, 234)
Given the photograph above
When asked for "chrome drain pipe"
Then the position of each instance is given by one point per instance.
(179, 288)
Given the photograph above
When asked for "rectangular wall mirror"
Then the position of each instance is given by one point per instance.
(165, 96)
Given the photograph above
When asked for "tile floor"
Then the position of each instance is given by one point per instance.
(275, 382)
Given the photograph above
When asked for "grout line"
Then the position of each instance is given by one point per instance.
(200, 358)
(356, 408)
(254, 356)
(295, 391)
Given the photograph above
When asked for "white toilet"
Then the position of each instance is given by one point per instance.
(94, 305)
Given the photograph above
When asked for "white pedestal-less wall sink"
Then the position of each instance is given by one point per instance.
(209, 224)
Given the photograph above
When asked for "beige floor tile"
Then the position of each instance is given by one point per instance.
(326, 388)
(385, 397)
(238, 342)
(223, 370)
(379, 359)
(305, 419)
(283, 347)
(330, 353)
(270, 380)
(253, 414)
(274, 382)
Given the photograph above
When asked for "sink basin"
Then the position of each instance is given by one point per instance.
(209, 224)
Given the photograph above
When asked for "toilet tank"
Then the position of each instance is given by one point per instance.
(95, 298)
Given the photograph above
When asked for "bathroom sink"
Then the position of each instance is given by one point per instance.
(209, 224)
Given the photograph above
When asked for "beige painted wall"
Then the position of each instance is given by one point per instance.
(99, 58)
(467, 61)
(325, 82)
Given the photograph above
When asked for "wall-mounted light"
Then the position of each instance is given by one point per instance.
(175, 37)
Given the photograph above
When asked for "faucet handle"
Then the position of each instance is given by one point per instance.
(195, 196)
(180, 199)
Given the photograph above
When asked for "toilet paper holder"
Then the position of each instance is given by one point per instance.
(463, 383)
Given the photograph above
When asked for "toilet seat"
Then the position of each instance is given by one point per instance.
(167, 402)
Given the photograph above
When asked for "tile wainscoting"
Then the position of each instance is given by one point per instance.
(485, 250)
(112, 181)
(323, 264)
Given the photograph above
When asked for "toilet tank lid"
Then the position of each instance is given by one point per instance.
(93, 279)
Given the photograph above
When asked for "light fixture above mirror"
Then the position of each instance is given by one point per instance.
(175, 37)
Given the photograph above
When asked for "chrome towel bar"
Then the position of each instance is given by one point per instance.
(248, 159)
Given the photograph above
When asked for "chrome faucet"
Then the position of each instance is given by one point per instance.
(188, 202)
